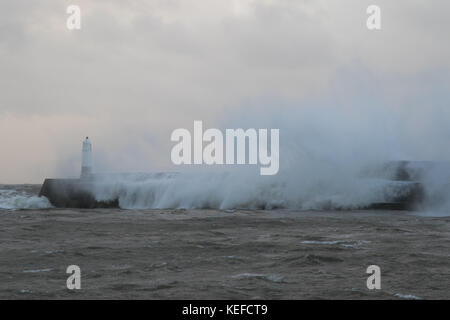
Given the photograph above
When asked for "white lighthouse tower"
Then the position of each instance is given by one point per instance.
(86, 160)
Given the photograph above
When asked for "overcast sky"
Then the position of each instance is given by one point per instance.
(139, 69)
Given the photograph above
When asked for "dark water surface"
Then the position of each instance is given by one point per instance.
(209, 254)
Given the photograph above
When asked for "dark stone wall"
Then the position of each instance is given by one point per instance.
(73, 193)
(77, 193)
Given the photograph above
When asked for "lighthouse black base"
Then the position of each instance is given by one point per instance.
(73, 193)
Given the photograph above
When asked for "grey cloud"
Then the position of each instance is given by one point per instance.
(157, 65)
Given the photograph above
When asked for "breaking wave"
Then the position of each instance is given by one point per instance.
(330, 158)
(243, 190)
(17, 199)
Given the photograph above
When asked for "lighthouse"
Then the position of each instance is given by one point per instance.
(86, 160)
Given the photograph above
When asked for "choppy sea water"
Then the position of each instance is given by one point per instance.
(213, 254)
(229, 254)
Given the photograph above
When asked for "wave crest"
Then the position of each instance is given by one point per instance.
(11, 199)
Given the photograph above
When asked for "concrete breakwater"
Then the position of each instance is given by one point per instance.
(73, 193)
